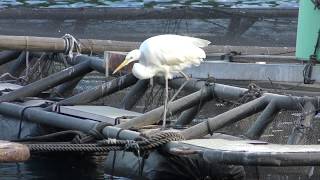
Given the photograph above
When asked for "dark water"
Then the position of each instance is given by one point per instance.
(146, 3)
(55, 167)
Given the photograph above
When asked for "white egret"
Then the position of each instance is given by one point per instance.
(164, 55)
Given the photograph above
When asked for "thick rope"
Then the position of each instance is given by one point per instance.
(144, 144)
(152, 142)
(89, 148)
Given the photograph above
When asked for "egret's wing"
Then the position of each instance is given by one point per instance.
(181, 54)
(182, 39)
(197, 41)
(173, 50)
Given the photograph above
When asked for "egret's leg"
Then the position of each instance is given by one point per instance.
(178, 91)
(181, 87)
(151, 82)
(164, 119)
(184, 75)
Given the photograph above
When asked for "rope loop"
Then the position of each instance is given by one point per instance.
(23, 118)
(71, 44)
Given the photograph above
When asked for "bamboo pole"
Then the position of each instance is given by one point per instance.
(50, 44)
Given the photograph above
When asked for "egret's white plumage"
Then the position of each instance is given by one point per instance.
(164, 55)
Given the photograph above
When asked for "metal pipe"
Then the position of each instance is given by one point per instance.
(224, 119)
(95, 62)
(100, 91)
(7, 56)
(188, 115)
(35, 88)
(277, 102)
(154, 116)
(19, 65)
(265, 118)
(220, 90)
(245, 110)
(135, 94)
(37, 115)
(66, 89)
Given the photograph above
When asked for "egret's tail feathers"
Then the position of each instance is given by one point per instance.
(200, 42)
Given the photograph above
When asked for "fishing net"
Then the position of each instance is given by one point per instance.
(29, 67)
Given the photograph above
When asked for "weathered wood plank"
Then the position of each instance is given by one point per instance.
(13, 152)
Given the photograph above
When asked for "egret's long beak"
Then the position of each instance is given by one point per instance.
(123, 64)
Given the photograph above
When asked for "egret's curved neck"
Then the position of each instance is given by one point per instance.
(143, 72)
(135, 54)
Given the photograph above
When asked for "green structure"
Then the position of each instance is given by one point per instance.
(308, 29)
